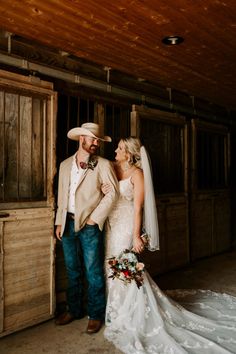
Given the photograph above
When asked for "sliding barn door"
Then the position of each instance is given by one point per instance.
(27, 168)
(165, 137)
(210, 192)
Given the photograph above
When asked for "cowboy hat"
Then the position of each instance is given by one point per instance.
(88, 129)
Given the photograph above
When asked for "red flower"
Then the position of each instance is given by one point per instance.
(126, 273)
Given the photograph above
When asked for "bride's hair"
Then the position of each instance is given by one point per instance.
(132, 147)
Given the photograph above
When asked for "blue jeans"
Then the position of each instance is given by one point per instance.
(84, 250)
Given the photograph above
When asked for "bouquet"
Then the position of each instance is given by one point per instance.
(127, 267)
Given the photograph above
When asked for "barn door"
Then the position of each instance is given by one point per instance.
(165, 136)
(210, 193)
(27, 116)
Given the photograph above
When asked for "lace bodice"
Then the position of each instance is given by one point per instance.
(120, 221)
(126, 189)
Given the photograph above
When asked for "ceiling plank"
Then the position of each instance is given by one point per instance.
(126, 36)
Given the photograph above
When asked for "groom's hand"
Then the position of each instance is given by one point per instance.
(58, 232)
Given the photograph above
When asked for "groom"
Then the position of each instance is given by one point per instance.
(82, 211)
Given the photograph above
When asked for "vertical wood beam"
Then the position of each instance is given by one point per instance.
(99, 118)
(134, 123)
(1, 279)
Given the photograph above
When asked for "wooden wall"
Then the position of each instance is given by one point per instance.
(27, 273)
(27, 167)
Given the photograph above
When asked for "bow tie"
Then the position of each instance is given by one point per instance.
(91, 164)
(83, 165)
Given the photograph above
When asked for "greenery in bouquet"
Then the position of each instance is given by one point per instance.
(127, 267)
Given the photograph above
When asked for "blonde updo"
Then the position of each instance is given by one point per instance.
(132, 147)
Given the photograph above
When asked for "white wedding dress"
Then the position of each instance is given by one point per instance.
(146, 320)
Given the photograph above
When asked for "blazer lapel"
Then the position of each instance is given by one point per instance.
(67, 174)
(83, 177)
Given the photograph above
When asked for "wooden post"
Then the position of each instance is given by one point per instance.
(1, 278)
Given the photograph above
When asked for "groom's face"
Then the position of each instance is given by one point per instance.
(90, 144)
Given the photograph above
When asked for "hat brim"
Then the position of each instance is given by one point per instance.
(75, 133)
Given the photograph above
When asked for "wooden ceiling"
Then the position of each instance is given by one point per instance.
(126, 35)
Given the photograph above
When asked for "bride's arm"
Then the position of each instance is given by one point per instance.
(106, 187)
(138, 182)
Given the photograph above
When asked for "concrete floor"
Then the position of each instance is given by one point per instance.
(217, 273)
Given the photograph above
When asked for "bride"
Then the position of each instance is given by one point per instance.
(143, 320)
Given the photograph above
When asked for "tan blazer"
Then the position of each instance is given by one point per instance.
(89, 199)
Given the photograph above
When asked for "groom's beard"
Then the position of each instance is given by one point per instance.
(91, 149)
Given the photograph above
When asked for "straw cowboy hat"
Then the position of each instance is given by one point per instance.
(88, 129)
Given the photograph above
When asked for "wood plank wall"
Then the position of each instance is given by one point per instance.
(27, 241)
(27, 202)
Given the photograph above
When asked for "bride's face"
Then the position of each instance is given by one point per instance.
(121, 154)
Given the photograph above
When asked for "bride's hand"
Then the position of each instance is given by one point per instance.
(138, 245)
(106, 188)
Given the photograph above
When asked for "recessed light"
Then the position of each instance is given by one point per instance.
(63, 53)
(141, 79)
(172, 40)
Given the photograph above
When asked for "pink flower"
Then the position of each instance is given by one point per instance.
(140, 266)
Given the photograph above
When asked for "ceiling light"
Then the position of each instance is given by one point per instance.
(141, 79)
(63, 53)
(172, 40)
